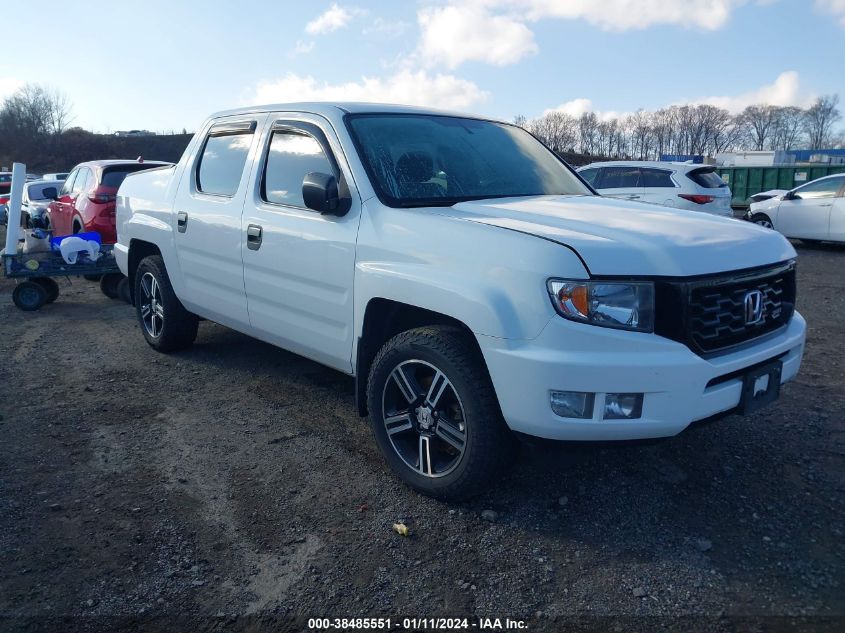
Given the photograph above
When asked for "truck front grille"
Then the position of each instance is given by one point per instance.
(709, 314)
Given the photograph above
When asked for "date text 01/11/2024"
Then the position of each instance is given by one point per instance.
(416, 624)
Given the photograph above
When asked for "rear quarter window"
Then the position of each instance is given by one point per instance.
(656, 178)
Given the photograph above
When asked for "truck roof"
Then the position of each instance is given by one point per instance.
(333, 109)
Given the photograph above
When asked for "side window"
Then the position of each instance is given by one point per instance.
(589, 175)
(223, 158)
(67, 187)
(825, 188)
(82, 181)
(655, 178)
(620, 178)
(290, 157)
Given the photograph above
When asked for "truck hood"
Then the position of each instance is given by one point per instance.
(630, 238)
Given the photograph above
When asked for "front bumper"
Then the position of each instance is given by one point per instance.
(576, 357)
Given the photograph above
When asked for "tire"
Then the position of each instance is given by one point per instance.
(50, 286)
(109, 283)
(123, 290)
(464, 437)
(77, 226)
(165, 323)
(763, 220)
(29, 296)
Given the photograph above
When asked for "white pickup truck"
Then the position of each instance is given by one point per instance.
(471, 281)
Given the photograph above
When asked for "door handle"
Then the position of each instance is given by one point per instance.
(633, 197)
(181, 221)
(829, 204)
(253, 237)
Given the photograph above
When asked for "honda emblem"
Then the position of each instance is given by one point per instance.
(753, 307)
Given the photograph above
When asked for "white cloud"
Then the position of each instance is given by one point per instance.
(785, 91)
(302, 47)
(386, 28)
(836, 7)
(579, 106)
(496, 31)
(8, 86)
(406, 87)
(575, 108)
(334, 18)
(623, 15)
(452, 35)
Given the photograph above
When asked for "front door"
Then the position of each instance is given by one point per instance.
(299, 265)
(806, 213)
(207, 217)
(60, 210)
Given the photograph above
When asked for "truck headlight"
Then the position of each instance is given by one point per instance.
(621, 305)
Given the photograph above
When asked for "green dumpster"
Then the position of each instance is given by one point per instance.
(746, 181)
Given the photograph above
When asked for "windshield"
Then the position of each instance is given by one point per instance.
(430, 160)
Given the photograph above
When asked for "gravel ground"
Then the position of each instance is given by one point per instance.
(232, 487)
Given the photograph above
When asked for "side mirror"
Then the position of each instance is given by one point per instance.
(50, 193)
(320, 193)
(789, 195)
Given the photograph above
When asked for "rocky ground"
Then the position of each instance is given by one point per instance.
(233, 487)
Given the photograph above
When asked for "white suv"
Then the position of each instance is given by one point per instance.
(679, 185)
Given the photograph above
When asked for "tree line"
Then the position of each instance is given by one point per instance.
(36, 129)
(691, 129)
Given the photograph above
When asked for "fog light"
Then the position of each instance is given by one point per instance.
(623, 406)
(572, 404)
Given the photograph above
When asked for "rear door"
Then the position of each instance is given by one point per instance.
(207, 217)
(807, 212)
(658, 186)
(620, 182)
(299, 265)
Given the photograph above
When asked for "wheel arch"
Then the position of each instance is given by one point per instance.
(138, 250)
(383, 319)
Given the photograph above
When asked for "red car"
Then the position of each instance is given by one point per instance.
(5, 186)
(87, 199)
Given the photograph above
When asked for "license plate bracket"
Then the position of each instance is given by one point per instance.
(760, 387)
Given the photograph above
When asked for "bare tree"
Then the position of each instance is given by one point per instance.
(819, 120)
(788, 128)
(31, 122)
(759, 120)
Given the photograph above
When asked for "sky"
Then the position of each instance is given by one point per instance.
(165, 65)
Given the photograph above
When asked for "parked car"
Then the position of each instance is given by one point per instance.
(5, 189)
(766, 195)
(86, 199)
(678, 185)
(35, 202)
(56, 176)
(812, 212)
(472, 284)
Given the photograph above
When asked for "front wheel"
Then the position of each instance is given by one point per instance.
(166, 324)
(763, 220)
(434, 413)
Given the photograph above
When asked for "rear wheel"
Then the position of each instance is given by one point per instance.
(109, 285)
(29, 296)
(166, 324)
(50, 286)
(763, 220)
(435, 415)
